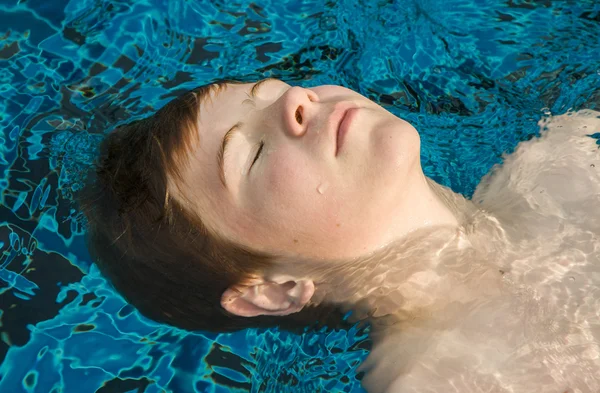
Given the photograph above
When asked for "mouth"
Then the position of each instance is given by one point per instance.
(343, 127)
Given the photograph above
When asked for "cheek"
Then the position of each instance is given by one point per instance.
(289, 180)
(296, 191)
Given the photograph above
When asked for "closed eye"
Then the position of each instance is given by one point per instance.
(260, 148)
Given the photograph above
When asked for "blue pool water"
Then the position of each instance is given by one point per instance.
(474, 77)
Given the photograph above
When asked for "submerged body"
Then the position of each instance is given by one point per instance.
(270, 198)
(509, 302)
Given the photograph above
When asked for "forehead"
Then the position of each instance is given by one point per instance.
(218, 111)
(220, 105)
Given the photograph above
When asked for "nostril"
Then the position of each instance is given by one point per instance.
(299, 115)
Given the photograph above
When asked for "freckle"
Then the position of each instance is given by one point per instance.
(295, 240)
(337, 225)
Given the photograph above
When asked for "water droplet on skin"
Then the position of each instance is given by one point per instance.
(322, 188)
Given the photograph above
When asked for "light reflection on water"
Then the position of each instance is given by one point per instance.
(472, 76)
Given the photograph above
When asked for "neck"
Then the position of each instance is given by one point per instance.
(423, 204)
(423, 272)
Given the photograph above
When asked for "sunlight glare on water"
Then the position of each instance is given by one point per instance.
(474, 77)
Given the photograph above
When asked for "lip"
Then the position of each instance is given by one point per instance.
(343, 127)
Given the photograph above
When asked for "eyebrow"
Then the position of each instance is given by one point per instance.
(231, 132)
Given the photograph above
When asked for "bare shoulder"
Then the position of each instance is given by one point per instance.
(583, 122)
(561, 166)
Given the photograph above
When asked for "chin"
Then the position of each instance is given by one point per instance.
(400, 148)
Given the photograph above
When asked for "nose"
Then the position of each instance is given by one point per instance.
(297, 109)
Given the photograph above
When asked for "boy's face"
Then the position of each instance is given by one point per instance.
(291, 184)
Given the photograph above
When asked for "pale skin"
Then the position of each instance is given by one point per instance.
(442, 279)
(300, 198)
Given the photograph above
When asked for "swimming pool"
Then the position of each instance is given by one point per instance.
(474, 77)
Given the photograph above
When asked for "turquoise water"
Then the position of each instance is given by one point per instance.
(474, 77)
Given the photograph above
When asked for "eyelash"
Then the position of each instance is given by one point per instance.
(260, 147)
(251, 101)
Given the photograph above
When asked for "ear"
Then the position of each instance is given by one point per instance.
(277, 296)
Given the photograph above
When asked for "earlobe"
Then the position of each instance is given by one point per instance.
(268, 298)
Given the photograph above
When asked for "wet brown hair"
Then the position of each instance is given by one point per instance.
(156, 253)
